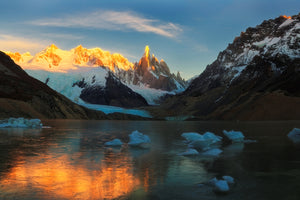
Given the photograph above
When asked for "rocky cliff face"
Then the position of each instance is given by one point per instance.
(157, 74)
(114, 93)
(255, 77)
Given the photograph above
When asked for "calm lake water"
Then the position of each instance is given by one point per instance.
(69, 161)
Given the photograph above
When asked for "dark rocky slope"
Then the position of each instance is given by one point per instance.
(257, 77)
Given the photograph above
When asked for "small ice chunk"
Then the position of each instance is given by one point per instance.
(189, 152)
(234, 136)
(199, 141)
(114, 142)
(192, 136)
(294, 135)
(221, 186)
(137, 138)
(212, 181)
(213, 137)
(212, 152)
(229, 179)
(20, 123)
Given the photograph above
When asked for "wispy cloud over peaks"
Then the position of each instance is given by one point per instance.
(20, 44)
(114, 20)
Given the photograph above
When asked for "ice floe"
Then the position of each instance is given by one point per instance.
(137, 138)
(189, 152)
(212, 152)
(229, 179)
(114, 142)
(221, 185)
(202, 142)
(294, 135)
(20, 123)
(234, 136)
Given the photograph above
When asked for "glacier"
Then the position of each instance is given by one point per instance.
(114, 109)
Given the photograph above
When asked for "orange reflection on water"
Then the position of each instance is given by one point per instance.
(57, 176)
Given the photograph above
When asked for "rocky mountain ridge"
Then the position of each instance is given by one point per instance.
(90, 68)
(257, 77)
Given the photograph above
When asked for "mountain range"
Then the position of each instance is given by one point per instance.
(98, 77)
(257, 77)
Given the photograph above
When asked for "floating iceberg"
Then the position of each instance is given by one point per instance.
(137, 138)
(221, 186)
(204, 141)
(189, 152)
(192, 136)
(294, 135)
(212, 152)
(229, 179)
(20, 123)
(114, 142)
(234, 136)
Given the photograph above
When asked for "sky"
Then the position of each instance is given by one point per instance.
(187, 34)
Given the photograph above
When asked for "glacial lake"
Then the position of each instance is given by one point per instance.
(68, 160)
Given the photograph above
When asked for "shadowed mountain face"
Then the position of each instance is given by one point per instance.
(257, 77)
(114, 93)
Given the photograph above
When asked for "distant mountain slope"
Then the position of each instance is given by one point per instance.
(257, 77)
(91, 67)
(23, 96)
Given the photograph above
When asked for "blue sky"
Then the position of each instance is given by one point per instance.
(187, 34)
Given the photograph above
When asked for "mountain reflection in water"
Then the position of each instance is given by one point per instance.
(111, 179)
(86, 174)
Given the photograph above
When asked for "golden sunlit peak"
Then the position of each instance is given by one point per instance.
(147, 51)
(79, 47)
(286, 17)
(52, 46)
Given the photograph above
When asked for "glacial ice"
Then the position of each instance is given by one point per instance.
(192, 136)
(228, 179)
(294, 135)
(113, 109)
(212, 152)
(234, 136)
(203, 142)
(189, 152)
(114, 142)
(20, 123)
(221, 186)
(137, 138)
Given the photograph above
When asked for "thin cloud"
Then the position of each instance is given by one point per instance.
(114, 20)
(62, 36)
(201, 48)
(19, 44)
